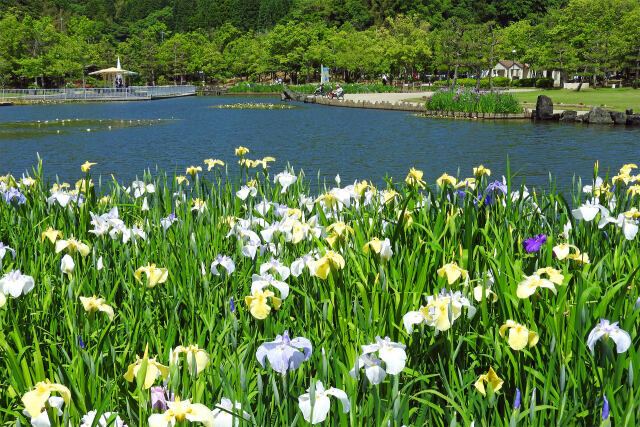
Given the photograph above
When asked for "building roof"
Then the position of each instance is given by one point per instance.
(509, 64)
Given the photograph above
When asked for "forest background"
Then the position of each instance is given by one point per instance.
(54, 43)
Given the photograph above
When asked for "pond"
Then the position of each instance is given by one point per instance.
(125, 138)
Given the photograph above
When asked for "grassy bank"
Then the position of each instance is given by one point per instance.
(615, 99)
(224, 263)
(310, 88)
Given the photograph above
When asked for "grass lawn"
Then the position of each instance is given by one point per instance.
(614, 99)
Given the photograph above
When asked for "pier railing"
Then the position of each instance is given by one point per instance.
(130, 93)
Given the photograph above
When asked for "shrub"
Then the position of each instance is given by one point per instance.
(484, 83)
(545, 83)
(471, 100)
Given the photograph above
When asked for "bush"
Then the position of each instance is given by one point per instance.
(545, 83)
(310, 88)
(500, 82)
(471, 100)
(484, 83)
(524, 83)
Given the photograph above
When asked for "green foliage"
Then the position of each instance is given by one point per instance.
(544, 83)
(484, 83)
(471, 101)
(561, 381)
(524, 82)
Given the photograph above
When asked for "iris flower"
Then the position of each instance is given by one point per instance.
(160, 396)
(35, 399)
(93, 303)
(140, 188)
(286, 179)
(414, 178)
(154, 275)
(446, 179)
(42, 420)
(181, 410)
(246, 191)
(322, 404)
(193, 170)
(338, 231)
(4, 249)
(168, 220)
(258, 303)
(391, 353)
(604, 330)
(481, 170)
(627, 221)
(285, 354)
(86, 166)
(528, 287)
(437, 311)
(154, 370)
(259, 282)
(241, 151)
(72, 245)
(52, 235)
(192, 352)
(519, 335)
(211, 163)
(488, 294)
(307, 260)
(331, 261)
(15, 283)
(562, 250)
(589, 210)
(67, 265)
(453, 272)
(275, 266)
(493, 382)
(199, 205)
(552, 274)
(223, 261)
(382, 247)
(225, 418)
(533, 244)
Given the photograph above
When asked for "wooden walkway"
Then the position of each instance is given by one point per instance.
(131, 93)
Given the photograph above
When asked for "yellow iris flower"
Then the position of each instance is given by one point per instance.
(154, 275)
(634, 190)
(361, 187)
(211, 163)
(580, 257)
(388, 196)
(338, 231)
(93, 303)
(181, 410)
(72, 245)
(493, 382)
(154, 369)
(554, 275)
(34, 400)
(191, 352)
(257, 303)
(528, 287)
(467, 183)
(481, 170)
(82, 185)
(331, 261)
(192, 170)
(446, 179)
(241, 151)
(375, 244)
(180, 179)
(86, 166)
(519, 335)
(52, 235)
(28, 181)
(414, 178)
(453, 272)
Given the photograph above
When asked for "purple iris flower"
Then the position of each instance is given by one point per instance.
(516, 402)
(605, 408)
(14, 195)
(232, 304)
(533, 244)
(80, 342)
(496, 185)
(284, 354)
(159, 398)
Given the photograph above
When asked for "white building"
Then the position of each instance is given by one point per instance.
(510, 69)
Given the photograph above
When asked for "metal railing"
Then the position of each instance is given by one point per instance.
(97, 93)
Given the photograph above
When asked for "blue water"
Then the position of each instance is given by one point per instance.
(356, 143)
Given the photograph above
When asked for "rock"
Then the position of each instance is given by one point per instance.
(569, 116)
(629, 111)
(618, 117)
(544, 108)
(633, 119)
(599, 116)
(556, 116)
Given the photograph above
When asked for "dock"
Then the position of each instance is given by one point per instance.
(5, 104)
(131, 93)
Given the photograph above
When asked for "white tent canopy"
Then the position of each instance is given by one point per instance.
(113, 76)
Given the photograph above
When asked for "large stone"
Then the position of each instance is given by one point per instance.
(629, 111)
(633, 119)
(599, 116)
(544, 108)
(618, 117)
(569, 116)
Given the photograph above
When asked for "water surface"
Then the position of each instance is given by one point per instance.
(125, 138)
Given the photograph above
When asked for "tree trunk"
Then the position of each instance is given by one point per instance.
(455, 75)
(478, 71)
(449, 76)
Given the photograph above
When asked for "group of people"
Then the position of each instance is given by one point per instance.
(336, 93)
